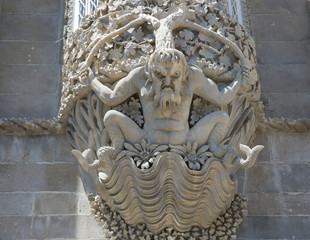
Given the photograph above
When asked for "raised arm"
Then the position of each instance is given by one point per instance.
(123, 89)
(207, 89)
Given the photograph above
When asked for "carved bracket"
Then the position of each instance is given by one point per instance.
(159, 102)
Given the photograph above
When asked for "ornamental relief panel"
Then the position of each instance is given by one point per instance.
(159, 101)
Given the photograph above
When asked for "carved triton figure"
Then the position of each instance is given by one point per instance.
(166, 173)
(166, 86)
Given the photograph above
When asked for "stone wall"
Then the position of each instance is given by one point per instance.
(41, 193)
(30, 60)
(282, 35)
(278, 185)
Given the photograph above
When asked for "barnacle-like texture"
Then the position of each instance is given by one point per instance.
(169, 194)
(115, 228)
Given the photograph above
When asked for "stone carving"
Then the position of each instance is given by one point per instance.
(22, 126)
(161, 97)
(224, 227)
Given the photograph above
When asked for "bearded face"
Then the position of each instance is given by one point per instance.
(167, 80)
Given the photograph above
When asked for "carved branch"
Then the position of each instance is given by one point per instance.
(138, 21)
(217, 36)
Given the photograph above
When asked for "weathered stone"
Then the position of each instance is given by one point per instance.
(284, 7)
(31, 6)
(263, 178)
(291, 148)
(29, 106)
(84, 205)
(275, 27)
(30, 27)
(55, 203)
(29, 78)
(16, 204)
(38, 177)
(275, 227)
(288, 105)
(293, 78)
(296, 203)
(63, 150)
(15, 149)
(264, 204)
(278, 52)
(75, 226)
(15, 227)
(241, 180)
(19, 52)
(265, 155)
(295, 177)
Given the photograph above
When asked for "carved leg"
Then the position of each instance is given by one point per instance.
(212, 129)
(121, 128)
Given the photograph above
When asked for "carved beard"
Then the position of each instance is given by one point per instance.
(167, 101)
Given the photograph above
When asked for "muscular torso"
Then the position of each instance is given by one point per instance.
(165, 127)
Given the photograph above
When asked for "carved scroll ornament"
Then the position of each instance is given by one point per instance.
(161, 98)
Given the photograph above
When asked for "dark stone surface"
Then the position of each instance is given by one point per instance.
(21, 149)
(275, 227)
(30, 27)
(29, 106)
(288, 78)
(31, 6)
(16, 52)
(38, 177)
(16, 204)
(55, 203)
(28, 79)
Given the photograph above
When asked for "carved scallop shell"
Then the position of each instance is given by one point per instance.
(169, 194)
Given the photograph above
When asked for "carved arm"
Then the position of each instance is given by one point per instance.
(124, 88)
(207, 89)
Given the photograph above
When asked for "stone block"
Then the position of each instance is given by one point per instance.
(284, 7)
(286, 78)
(29, 78)
(29, 106)
(55, 203)
(84, 205)
(19, 52)
(63, 150)
(25, 149)
(241, 180)
(15, 227)
(275, 27)
(265, 155)
(282, 52)
(288, 105)
(263, 178)
(296, 204)
(291, 148)
(31, 6)
(16, 203)
(275, 227)
(30, 27)
(263, 204)
(74, 226)
(295, 177)
(38, 177)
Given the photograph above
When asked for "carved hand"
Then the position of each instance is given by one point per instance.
(245, 76)
(86, 75)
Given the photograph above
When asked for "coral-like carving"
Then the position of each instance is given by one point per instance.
(224, 227)
(159, 101)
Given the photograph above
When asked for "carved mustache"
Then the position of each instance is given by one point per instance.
(167, 86)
